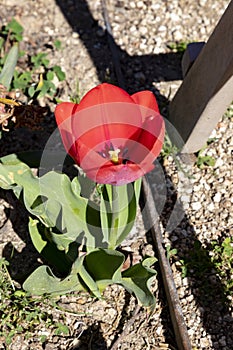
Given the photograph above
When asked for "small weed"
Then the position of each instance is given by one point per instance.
(222, 258)
(229, 112)
(168, 148)
(214, 263)
(204, 160)
(22, 314)
(57, 44)
(178, 46)
(77, 96)
(170, 252)
(38, 79)
(60, 328)
(12, 32)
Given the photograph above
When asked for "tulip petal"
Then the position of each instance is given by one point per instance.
(119, 174)
(63, 114)
(146, 99)
(104, 122)
(64, 111)
(104, 93)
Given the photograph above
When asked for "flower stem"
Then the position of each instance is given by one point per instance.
(112, 242)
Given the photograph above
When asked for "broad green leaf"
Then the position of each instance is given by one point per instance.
(55, 201)
(89, 283)
(43, 240)
(137, 280)
(104, 265)
(43, 281)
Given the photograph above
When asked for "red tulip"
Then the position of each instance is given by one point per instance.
(112, 136)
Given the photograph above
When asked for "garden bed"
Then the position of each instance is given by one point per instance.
(151, 38)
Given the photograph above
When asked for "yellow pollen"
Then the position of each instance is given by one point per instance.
(114, 155)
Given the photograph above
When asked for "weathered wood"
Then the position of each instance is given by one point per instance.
(207, 90)
(190, 56)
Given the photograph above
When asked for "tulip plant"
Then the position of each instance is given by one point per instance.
(114, 139)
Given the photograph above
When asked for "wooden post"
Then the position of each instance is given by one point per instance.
(207, 90)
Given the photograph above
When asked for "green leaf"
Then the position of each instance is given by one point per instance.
(40, 60)
(1, 42)
(61, 329)
(137, 279)
(21, 80)
(15, 29)
(50, 75)
(54, 200)
(31, 91)
(118, 220)
(14, 26)
(8, 69)
(59, 73)
(43, 240)
(42, 281)
(104, 265)
(57, 44)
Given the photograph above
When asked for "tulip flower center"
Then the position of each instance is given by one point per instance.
(114, 155)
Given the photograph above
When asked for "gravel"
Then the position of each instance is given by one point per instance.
(143, 30)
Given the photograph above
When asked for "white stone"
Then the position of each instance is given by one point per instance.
(211, 206)
(143, 30)
(219, 162)
(177, 35)
(196, 206)
(217, 197)
(174, 17)
(185, 199)
(132, 4)
(140, 4)
(204, 343)
(162, 29)
(159, 330)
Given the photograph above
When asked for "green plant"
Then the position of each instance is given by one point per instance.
(205, 263)
(9, 65)
(57, 44)
(52, 194)
(168, 149)
(170, 252)
(229, 112)
(222, 258)
(78, 234)
(180, 46)
(204, 160)
(22, 314)
(38, 79)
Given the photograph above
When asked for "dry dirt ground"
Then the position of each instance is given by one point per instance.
(144, 31)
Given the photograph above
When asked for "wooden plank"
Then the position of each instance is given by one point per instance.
(207, 90)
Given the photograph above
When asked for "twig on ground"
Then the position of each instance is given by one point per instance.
(127, 327)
